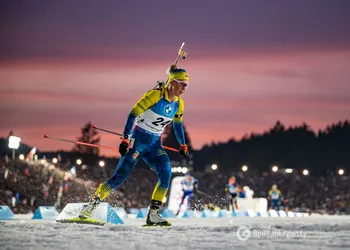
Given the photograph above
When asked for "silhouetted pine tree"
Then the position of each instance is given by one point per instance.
(89, 135)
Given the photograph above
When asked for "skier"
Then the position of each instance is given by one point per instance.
(189, 186)
(142, 140)
(232, 190)
(275, 197)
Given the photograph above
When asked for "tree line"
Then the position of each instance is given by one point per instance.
(297, 147)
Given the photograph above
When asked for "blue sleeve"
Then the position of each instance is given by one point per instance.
(179, 132)
(129, 123)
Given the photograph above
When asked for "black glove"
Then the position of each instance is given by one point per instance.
(124, 147)
(183, 151)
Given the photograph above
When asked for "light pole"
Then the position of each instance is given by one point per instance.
(14, 144)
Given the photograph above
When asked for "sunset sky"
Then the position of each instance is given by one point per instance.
(251, 63)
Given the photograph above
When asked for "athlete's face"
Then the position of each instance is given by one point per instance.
(232, 180)
(179, 87)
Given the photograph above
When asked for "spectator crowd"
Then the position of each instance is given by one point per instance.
(25, 185)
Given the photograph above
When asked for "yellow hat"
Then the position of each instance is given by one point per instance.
(178, 74)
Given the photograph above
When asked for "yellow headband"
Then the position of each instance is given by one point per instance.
(178, 74)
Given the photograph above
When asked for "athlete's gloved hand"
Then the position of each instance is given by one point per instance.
(124, 146)
(183, 151)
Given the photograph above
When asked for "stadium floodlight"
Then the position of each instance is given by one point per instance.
(274, 169)
(14, 144)
(54, 160)
(214, 167)
(79, 162)
(21, 157)
(305, 172)
(184, 170)
(244, 168)
(340, 171)
(101, 164)
(288, 170)
(179, 169)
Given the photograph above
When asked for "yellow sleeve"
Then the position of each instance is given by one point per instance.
(178, 116)
(146, 101)
(270, 192)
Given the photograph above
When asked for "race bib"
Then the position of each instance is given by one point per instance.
(152, 122)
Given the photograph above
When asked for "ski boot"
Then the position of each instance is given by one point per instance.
(153, 216)
(154, 219)
(86, 212)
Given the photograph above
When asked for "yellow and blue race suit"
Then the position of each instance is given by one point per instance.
(145, 125)
(275, 196)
